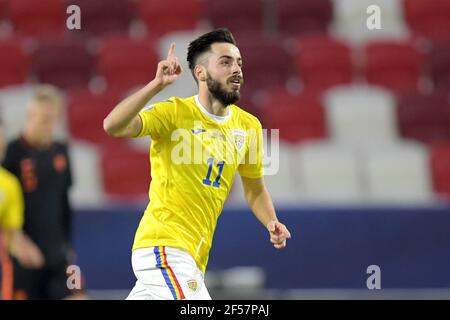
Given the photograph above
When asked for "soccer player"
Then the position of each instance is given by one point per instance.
(12, 239)
(42, 166)
(192, 170)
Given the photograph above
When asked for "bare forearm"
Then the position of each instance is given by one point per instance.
(124, 113)
(261, 204)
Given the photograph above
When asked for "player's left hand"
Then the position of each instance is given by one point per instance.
(278, 234)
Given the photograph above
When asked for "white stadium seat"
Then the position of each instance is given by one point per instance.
(350, 20)
(360, 114)
(87, 189)
(328, 173)
(397, 173)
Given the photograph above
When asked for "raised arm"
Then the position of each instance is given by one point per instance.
(259, 200)
(123, 120)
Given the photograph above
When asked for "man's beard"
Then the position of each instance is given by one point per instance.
(220, 93)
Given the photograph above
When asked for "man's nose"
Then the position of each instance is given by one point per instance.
(237, 69)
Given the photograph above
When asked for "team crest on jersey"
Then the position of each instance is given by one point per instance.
(239, 138)
(192, 285)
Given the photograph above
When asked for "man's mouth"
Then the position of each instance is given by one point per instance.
(236, 82)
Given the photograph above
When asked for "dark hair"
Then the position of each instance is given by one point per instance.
(204, 42)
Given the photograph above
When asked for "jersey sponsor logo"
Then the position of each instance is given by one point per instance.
(197, 131)
(60, 162)
(239, 138)
(192, 285)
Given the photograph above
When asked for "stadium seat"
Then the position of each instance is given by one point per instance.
(299, 117)
(86, 113)
(4, 9)
(280, 180)
(302, 16)
(360, 114)
(241, 17)
(350, 20)
(263, 56)
(328, 173)
(424, 118)
(322, 62)
(430, 19)
(125, 172)
(394, 65)
(440, 168)
(14, 63)
(178, 15)
(66, 64)
(38, 20)
(439, 66)
(127, 63)
(87, 189)
(397, 173)
(102, 17)
(13, 106)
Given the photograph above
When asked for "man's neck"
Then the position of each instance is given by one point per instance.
(212, 105)
(31, 140)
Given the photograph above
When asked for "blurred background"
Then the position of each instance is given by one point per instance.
(364, 120)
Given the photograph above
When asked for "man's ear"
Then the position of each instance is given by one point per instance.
(200, 72)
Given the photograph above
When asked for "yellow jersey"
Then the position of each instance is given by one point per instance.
(194, 157)
(11, 201)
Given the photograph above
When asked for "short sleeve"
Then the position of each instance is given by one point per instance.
(13, 220)
(157, 119)
(252, 165)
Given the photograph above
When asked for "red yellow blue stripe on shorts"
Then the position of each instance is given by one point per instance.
(168, 274)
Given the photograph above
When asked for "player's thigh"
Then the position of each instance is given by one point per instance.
(177, 278)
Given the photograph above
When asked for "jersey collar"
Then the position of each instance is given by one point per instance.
(219, 119)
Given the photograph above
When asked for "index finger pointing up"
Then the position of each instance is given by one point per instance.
(171, 52)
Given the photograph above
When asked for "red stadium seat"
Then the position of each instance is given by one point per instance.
(177, 15)
(4, 9)
(45, 18)
(237, 15)
(323, 62)
(63, 63)
(299, 117)
(266, 63)
(125, 171)
(14, 63)
(440, 169)
(430, 18)
(425, 118)
(127, 63)
(301, 16)
(439, 66)
(394, 65)
(86, 112)
(101, 17)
